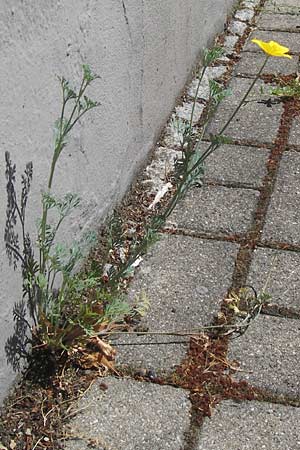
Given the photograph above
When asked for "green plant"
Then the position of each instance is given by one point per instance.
(60, 311)
(65, 308)
(290, 89)
(189, 168)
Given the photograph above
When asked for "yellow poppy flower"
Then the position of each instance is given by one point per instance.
(272, 48)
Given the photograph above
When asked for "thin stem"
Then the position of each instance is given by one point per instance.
(194, 102)
(208, 150)
(57, 151)
(194, 332)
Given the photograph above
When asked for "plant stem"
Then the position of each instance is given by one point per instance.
(194, 102)
(211, 148)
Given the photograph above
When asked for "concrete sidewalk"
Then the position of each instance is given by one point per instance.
(241, 227)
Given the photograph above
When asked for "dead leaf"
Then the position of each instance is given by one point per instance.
(104, 347)
(12, 445)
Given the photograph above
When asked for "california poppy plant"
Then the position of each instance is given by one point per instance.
(272, 48)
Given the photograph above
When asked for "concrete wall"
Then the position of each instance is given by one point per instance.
(142, 49)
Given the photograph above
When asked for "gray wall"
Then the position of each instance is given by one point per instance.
(142, 49)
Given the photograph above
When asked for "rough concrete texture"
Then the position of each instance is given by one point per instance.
(282, 222)
(229, 43)
(210, 73)
(255, 121)
(216, 209)
(277, 273)
(250, 63)
(251, 426)
(130, 415)
(249, 3)
(185, 285)
(281, 6)
(143, 51)
(294, 138)
(237, 27)
(246, 15)
(269, 355)
(185, 110)
(236, 164)
(280, 22)
(161, 164)
(290, 40)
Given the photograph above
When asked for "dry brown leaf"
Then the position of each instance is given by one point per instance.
(104, 347)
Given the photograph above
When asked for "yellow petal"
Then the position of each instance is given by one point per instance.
(272, 48)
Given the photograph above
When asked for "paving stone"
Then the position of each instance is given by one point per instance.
(251, 426)
(244, 14)
(216, 209)
(162, 163)
(210, 74)
(249, 3)
(280, 22)
(294, 138)
(250, 63)
(280, 6)
(131, 415)
(237, 27)
(283, 217)
(185, 110)
(184, 282)
(269, 355)
(255, 121)
(290, 40)
(277, 272)
(237, 164)
(229, 43)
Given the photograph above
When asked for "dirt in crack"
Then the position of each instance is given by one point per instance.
(291, 108)
(207, 373)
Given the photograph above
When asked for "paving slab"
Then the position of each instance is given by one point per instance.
(249, 3)
(230, 43)
(280, 22)
(216, 209)
(255, 121)
(210, 74)
(251, 426)
(251, 62)
(283, 217)
(185, 284)
(237, 27)
(246, 15)
(290, 40)
(131, 415)
(269, 355)
(277, 272)
(294, 138)
(281, 6)
(185, 111)
(237, 164)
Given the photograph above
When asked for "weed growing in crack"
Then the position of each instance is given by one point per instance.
(67, 309)
(287, 90)
(64, 308)
(189, 171)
